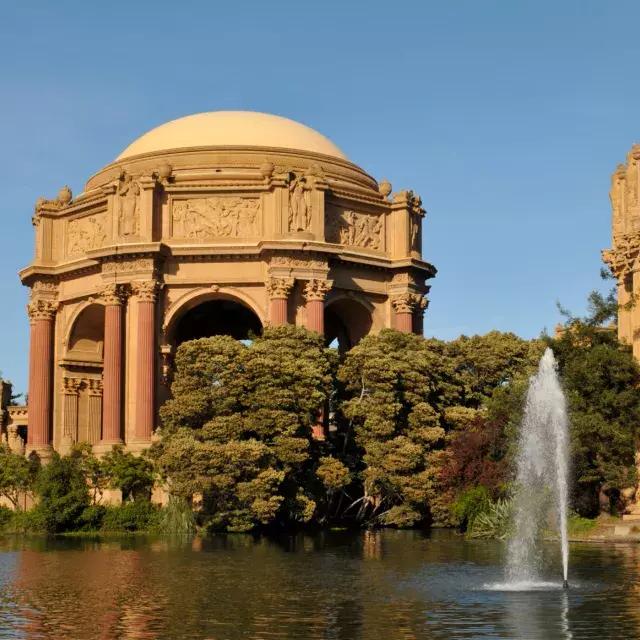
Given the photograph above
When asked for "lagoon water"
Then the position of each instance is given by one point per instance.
(335, 585)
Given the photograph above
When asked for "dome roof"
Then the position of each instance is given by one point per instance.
(232, 128)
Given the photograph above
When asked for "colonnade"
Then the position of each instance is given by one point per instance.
(105, 413)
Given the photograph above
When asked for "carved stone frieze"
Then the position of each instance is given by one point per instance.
(292, 261)
(127, 265)
(44, 288)
(145, 290)
(216, 217)
(317, 289)
(355, 229)
(279, 288)
(42, 309)
(85, 234)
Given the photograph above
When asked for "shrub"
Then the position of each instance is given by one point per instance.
(470, 504)
(6, 515)
(495, 522)
(177, 518)
(64, 493)
(139, 515)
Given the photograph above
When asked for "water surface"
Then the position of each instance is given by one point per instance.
(380, 586)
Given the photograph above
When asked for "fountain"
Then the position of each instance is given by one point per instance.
(541, 476)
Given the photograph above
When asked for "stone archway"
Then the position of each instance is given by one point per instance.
(218, 316)
(347, 321)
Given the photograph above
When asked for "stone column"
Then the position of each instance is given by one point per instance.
(41, 316)
(279, 290)
(315, 292)
(71, 392)
(94, 412)
(405, 306)
(146, 292)
(113, 297)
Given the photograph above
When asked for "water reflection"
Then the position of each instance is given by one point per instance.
(338, 585)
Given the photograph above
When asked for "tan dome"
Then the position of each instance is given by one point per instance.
(235, 129)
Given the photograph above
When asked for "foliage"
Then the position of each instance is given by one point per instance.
(470, 504)
(6, 515)
(396, 386)
(577, 525)
(177, 518)
(133, 475)
(238, 429)
(63, 493)
(602, 383)
(17, 475)
(493, 522)
(136, 515)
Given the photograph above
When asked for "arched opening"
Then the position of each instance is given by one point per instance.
(346, 322)
(87, 335)
(215, 318)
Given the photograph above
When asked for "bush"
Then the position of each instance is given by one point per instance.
(92, 518)
(6, 515)
(177, 518)
(139, 515)
(495, 522)
(64, 493)
(578, 525)
(32, 521)
(470, 504)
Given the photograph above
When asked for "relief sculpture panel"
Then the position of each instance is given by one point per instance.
(85, 234)
(355, 229)
(216, 217)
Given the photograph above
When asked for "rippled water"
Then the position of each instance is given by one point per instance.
(338, 586)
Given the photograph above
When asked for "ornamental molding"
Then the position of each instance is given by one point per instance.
(279, 288)
(317, 289)
(293, 261)
(127, 265)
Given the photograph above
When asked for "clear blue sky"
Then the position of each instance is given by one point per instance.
(507, 117)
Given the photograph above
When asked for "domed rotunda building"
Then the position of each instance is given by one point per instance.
(215, 223)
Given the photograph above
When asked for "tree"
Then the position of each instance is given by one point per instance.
(17, 475)
(396, 387)
(238, 429)
(602, 383)
(63, 492)
(133, 475)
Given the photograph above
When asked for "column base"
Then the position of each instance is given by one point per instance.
(105, 446)
(138, 446)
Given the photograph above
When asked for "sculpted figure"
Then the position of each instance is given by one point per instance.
(298, 208)
(129, 195)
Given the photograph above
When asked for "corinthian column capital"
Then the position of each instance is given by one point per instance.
(409, 302)
(42, 309)
(113, 294)
(145, 290)
(279, 288)
(317, 289)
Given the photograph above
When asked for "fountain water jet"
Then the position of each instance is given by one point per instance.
(542, 474)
